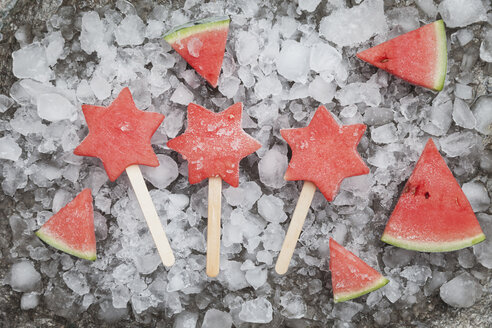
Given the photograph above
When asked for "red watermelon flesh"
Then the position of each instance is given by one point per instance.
(350, 276)
(202, 45)
(71, 230)
(419, 56)
(432, 214)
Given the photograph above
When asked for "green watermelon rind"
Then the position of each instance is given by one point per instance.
(434, 246)
(342, 297)
(442, 55)
(189, 29)
(56, 243)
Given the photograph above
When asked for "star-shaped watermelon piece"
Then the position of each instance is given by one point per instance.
(324, 152)
(214, 143)
(120, 134)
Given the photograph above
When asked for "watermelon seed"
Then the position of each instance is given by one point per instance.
(427, 195)
(384, 60)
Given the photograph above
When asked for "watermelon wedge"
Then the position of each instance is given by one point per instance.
(419, 56)
(350, 276)
(71, 230)
(432, 214)
(202, 44)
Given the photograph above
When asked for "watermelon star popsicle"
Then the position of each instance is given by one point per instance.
(323, 154)
(120, 136)
(214, 144)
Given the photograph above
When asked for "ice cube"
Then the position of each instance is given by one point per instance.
(100, 87)
(293, 306)
(273, 237)
(54, 107)
(29, 301)
(464, 37)
(308, 5)
(271, 208)
(462, 114)
(54, 49)
(346, 311)
(463, 91)
(131, 31)
(245, 195)
(76, 281)
(258, 310)
(23, 277)
(324, 57)
(182, 95)
(477, 195)
(456, 13)
(321, 90)
(483, 250)
(186, 320)
(256, 277)
(229, 86)
(217, 319)
(264, 257)
(486, 47)
(162, 175)
(9, 149)
(154, 29)
(288, 26)
(293, 61)
(358, 92)
(384, 134)
(462, 291)
(352, 26)
(458, 144)
(5, 103)
(267, 86)
(417, 273)
(428, 7)
(403, 20)
(247, 48)
(272, 168)
(30, 62)
(483, 114)
(92, 33)
(392, 291)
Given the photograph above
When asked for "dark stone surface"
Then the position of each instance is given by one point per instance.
(33, 15)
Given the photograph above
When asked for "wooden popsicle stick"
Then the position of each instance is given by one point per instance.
(295, 227)
(213, 226)
(150, 214)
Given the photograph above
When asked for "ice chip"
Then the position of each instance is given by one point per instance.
(131, 31)
(9, 149)
(462, 291)
(352, 26)
(293, 61)
(258, 310)
(456, 13)
(54, 107)
(23, 277)
(477, 195)
(217, 319)
(30, 62)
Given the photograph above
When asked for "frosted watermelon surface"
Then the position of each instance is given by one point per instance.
(432, 214)
(350, 276)
(202, 45)
(324, 152)
(419, 56)
(71, 230)
(120, 134)
(214, 143)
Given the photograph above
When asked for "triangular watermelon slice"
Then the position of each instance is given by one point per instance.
(71, 230)
(432, 214)
(350, 276)
(202, 44)
(419, 56)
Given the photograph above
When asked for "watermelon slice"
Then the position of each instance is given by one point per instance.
(419, 56)
(202, 44)
(350, 276)
(71, 230)
(432, 214)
